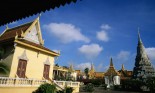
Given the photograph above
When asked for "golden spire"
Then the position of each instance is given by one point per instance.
(123, 67)
(111, 63)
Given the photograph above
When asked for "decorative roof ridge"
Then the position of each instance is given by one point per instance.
(19, 26)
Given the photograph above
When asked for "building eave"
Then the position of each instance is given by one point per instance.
(37, 48)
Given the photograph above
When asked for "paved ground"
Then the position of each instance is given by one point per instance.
(101, 90)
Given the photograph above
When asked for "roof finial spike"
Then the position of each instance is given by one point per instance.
(139, 39)
(7, 27)
(16, 37)
(22, 33)
(111, 63)
(123, 67)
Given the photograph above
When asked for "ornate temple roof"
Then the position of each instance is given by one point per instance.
(10, 33)
(143, 67)
(19, 34)
(111, 70)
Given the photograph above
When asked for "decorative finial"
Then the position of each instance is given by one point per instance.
(22, 33)
(40, 15)
(111, 63)
(7, 26)
(139, 39)
(16, 37)
(123, 67)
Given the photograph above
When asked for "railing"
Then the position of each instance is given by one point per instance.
(6, 81)
(68, 83)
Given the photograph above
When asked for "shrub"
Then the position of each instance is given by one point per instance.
(117, 87)
(46, 88)
(89, 87)
(104, 86)
(69, 89)
(132, 85)
(66, 90)
(97, 82)
(151, 84)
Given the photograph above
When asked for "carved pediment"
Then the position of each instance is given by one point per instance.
(23, 56)
(47, 62)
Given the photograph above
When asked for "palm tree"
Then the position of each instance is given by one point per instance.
(86, 70)
(3, 68)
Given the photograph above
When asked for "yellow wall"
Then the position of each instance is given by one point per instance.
(17, 89)
(35, 65)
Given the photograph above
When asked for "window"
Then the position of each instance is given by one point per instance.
(46, 71)
(21, 69)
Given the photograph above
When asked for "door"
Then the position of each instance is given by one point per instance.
(21, 68)
(46, 71)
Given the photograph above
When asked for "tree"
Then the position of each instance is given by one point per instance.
(46, 88)
(4, 68)
(151, 84)
(86, 70)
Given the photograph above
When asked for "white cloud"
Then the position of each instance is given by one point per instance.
(151, 53)
(66, 32)
(103, 36)
(123, 55)
(90, 51)
(82, 66)
(105, 27)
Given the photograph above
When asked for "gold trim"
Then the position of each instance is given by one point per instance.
(52, 53)
(35, 22)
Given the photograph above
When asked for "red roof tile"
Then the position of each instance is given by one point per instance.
(11, 33)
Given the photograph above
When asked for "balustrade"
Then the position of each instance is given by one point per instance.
(6, 81)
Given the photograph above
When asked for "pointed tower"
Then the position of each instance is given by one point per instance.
(92, 67)
(143, 68)
(92, 71)
(123, 67)
(111, 70)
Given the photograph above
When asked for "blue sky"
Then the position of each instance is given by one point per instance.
(95, 30)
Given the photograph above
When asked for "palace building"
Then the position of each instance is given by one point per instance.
(23, 52)
(25, 63)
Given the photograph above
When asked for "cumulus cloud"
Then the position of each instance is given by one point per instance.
(105, 26)
(66, 32)
(90, 51)
(151, 53)
(123, 55)
(82, 66)
(103, 34)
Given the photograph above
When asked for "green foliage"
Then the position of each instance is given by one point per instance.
(46, 88)
(117, 87)
(104, 86)
(150, 83)
(86, 70)
(69, 89)
(4, 68)
(66, 90)
(132, 85)
(89, 87)
(97, 82)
